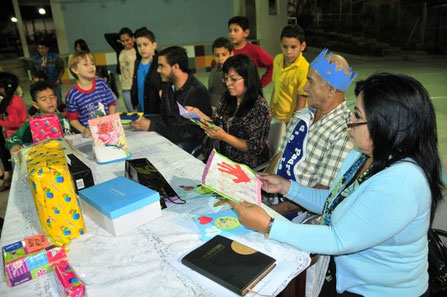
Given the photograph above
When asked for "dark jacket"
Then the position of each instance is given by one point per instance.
(169, 123)
(152, 87)
(113, 39)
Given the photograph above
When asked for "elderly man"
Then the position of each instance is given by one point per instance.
(315, 143)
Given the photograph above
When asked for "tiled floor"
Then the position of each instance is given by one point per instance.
(431, 71)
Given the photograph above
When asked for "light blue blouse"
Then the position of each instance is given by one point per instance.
(378, 234)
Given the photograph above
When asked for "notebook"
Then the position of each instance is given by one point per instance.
(229, 263)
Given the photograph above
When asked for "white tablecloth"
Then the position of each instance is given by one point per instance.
(146, 260)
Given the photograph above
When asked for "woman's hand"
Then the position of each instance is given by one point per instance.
(218, 134)
(198, 111)
(251, 215)
(272, 183)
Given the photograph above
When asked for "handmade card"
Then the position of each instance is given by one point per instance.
(232, 180)
(195, 118)
(225, 223)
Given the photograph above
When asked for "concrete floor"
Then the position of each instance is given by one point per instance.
(430, 71)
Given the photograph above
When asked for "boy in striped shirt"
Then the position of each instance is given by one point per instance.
(83, 99)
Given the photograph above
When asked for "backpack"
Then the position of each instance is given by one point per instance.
(437, 263)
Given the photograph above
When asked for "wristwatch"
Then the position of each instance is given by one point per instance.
(269, 227)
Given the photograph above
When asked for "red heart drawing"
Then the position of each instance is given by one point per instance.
(204, 220)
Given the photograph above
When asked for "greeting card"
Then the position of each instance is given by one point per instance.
(109, 141)
(232, 180)
(195, 118)
(225, 223)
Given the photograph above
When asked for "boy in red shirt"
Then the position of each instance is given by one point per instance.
(238, 31)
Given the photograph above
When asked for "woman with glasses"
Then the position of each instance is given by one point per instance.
(242, 113)
(376, 214)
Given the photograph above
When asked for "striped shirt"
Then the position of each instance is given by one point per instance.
(82, 104)
(327, 146)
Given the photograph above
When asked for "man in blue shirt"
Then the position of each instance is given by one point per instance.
(51, 63)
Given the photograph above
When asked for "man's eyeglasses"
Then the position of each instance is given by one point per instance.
(231, 80)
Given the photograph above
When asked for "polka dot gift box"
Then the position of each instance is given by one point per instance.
(53, 192)
(45, 127)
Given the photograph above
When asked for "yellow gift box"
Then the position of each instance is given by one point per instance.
(53, 192)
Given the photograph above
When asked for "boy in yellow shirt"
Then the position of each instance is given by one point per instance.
(289, 74)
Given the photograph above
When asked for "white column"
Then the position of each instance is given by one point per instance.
(21, 28)
(59, 25)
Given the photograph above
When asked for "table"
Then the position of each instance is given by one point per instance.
(146, 260)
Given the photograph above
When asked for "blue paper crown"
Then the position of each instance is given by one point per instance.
(335, 78)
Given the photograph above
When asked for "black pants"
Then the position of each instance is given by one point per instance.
(329, 288)
(4, 154)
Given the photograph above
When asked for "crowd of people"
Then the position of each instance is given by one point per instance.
(374, 174)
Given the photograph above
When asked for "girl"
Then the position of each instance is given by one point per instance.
(12, 116)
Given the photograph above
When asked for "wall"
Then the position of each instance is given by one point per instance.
(269, 27)
(172, 21)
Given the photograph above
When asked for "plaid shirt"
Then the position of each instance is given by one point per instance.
(327, 146)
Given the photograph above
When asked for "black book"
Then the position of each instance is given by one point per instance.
(229, 263)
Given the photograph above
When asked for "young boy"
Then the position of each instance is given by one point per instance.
(238, 31)
(84, 98)
(289, 74)
(222, 50)
(45, 101)
(146, 82)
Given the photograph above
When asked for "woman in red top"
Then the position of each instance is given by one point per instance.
(12, 116)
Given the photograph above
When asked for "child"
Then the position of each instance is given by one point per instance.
(238, 31)
(109, 78)
(81, 46)
(146, 83)
(45, 101)
(40, 76)
(12, 116)
(222, 50)
(124, 45)
(289, 74)
(84, 98)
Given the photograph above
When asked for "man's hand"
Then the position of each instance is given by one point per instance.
(251, 215)
(141, 124)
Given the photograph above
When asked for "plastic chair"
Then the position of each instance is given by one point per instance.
(277, 128)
